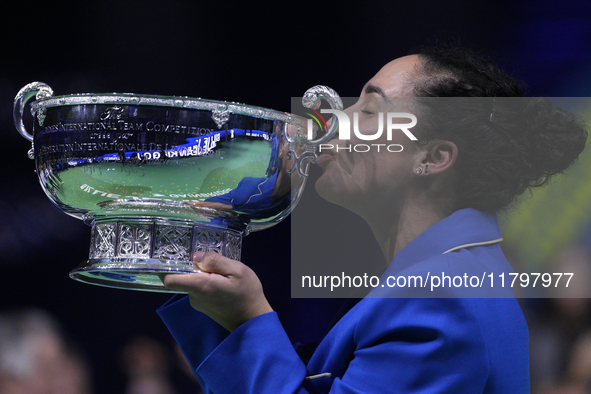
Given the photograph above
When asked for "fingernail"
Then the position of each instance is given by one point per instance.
(198, 256)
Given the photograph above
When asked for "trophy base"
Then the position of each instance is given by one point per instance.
(130, 253)
(131, 274)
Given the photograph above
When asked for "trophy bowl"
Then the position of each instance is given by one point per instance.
(158, 178)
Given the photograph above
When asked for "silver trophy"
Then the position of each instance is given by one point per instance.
(159, 178)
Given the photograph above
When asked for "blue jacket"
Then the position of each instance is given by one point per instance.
(382, 345)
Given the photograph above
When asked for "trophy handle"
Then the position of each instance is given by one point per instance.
(37, 89)
(312, 99)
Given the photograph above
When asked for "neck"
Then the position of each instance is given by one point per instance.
(395, 230)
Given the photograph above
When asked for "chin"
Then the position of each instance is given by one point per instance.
(321, 186)
(328, 189)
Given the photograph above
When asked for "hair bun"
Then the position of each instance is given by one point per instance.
(506, 144)
(555, 138)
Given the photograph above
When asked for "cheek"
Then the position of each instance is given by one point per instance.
(387, 168)
(350, 174)
(377, 168)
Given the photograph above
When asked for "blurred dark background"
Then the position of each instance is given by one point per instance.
(251, 52)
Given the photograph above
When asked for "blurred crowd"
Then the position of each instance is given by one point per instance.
(36, 358)
(560, 329)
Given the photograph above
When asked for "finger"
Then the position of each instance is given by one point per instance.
(197, 256)
(216, 263)
(186, 282)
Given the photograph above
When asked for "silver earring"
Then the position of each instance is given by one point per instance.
(419, 170)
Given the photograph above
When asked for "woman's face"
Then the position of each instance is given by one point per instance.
(381, 175)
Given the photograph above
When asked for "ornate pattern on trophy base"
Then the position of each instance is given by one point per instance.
(130, 253)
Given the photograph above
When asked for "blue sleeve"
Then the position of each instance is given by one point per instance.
(195, 333)
(381, 345)
(257, 357)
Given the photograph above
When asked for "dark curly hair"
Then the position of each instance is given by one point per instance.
(506, 143)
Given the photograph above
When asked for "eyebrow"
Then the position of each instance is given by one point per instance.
(369, 89)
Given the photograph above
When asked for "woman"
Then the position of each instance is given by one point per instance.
(431, 205)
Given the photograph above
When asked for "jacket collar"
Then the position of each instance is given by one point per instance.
(462, 229)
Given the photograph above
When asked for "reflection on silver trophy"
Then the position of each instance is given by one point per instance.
(159, 178)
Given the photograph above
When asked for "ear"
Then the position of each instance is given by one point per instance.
(440, 156)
